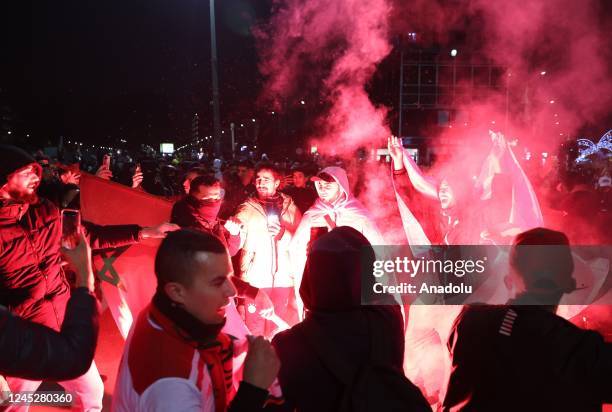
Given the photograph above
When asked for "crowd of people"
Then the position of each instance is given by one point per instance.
(285, 244)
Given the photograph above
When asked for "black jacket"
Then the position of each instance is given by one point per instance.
(306, 382)
(304, 197)
(525, 358)
(32, 351)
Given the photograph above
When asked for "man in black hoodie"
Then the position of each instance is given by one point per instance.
(522, 356)
(329, 361)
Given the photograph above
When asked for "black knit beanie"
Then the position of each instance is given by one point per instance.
(12, 159)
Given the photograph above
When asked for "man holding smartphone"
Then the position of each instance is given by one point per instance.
(269, 221)
(33, 351)
(32, 282)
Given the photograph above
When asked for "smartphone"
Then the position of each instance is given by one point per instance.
(273, 220)
(106, 160)
(71, 227)
(316, 232)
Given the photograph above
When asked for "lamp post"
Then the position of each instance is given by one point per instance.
(215, 83)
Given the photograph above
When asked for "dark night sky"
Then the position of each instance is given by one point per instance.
(100, 71)
(133, 69)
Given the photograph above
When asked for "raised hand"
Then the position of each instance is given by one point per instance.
(233, 226)
(71, 177)
(396, 151)
(274, 227)
(104, 173)
(137, 178)
(499, 143)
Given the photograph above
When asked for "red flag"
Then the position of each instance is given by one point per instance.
(127, 275)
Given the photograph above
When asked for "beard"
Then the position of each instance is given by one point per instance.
(264, 194)
(24, 197)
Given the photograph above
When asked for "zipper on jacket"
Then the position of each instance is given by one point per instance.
(39, 264)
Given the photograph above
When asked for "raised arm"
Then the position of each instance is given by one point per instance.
(525, 212)
(402, 160)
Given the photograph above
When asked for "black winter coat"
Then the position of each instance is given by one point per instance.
(525, 358)
(32, 351)
(307, 383)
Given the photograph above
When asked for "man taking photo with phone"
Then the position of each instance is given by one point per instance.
(32, 281)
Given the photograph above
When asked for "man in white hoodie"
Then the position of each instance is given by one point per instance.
(336, 206)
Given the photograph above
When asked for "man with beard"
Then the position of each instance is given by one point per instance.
(269, 222)
(336, 206)
(32, 282)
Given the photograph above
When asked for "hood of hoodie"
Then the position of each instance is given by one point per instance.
(340, 176)
(346, 211)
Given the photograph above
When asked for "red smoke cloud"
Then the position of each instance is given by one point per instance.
(556, 55)
(333, 47)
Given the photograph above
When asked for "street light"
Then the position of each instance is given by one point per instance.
(215, 81)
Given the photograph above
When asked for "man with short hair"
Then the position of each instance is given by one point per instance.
(522, 356)
(336, 206)
(246, 173)
(177, 357)
(239, 188)
(269, 221)
(302, 194)
(190, 175)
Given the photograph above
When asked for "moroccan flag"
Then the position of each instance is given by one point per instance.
(126, 273)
